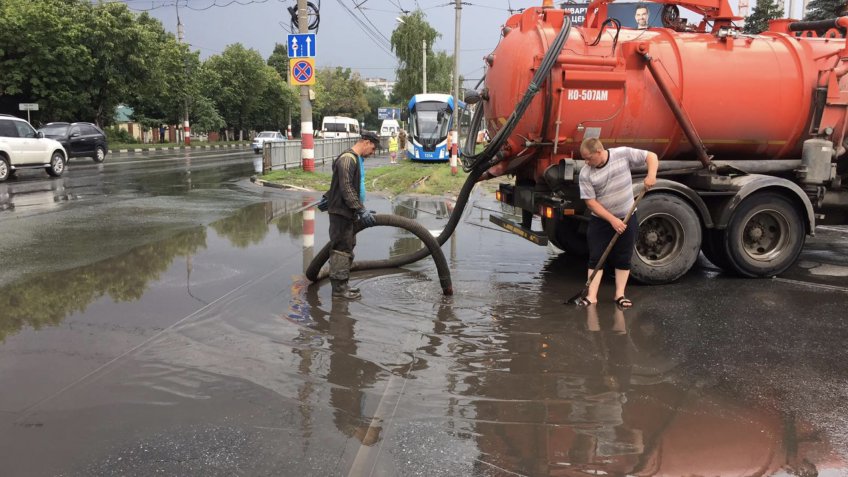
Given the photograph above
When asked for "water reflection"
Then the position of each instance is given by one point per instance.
(588, 397)
(35, 195)
(425, 209)
(46, 299)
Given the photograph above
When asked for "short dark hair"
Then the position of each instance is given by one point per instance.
(641, 5)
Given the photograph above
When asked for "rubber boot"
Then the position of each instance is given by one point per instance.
(341, 290)
(339, 275)
(350, 267)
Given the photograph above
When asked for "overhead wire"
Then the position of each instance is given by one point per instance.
(375, 39)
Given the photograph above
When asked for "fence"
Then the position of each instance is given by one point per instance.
(286, 155)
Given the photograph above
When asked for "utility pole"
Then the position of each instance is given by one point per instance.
(424, 68)
(186, 128)
(455, 114)
(307, 139)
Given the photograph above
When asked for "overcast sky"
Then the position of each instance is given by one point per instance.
(342, 40)
(352, 37)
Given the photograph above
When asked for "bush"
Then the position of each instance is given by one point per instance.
(116, 135)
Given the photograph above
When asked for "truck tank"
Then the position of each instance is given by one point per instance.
(749, 129)
(748, 96)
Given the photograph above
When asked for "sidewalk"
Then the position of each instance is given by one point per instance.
(167, 148)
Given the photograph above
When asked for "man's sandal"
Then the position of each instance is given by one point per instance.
(623, 302)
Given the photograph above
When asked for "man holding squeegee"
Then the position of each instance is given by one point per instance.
(606, 186)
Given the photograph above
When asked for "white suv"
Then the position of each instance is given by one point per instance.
(21, 147)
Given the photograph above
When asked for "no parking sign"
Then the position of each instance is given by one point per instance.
(302, 71)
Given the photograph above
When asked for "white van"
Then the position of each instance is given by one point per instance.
(388, 127)
(339, 126)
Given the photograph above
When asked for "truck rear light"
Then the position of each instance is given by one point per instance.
(567, 211)
(548, 212)
(499, 196)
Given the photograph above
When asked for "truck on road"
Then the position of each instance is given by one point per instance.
(750, 131)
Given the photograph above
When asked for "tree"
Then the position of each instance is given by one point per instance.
(41, 57)
(340, 92)
(279, 60)
(238, 73)
(765, 10)
(376, 99)
(79, 60)
(407, 43)
(825, 9)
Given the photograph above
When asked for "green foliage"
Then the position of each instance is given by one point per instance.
(248, 93)
(279, 60)
(376, 99)
(765, 10)
(339, 92)
(825, 9)
(407, 44)
(116, 135)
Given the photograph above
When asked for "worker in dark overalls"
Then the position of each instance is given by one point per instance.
(346, 203)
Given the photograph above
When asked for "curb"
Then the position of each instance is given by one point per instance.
(178, 148)
(264, 183)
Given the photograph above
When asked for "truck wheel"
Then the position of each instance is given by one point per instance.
(57, 164)
(566, 236)
(714, 250)
(669, 239)
(765, 235)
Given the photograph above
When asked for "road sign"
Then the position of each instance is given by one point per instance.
(28, 106)
(302, 71)
(302, 46)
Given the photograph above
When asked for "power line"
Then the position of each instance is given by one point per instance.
(365, 28)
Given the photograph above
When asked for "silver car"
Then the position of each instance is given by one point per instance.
(266, 136)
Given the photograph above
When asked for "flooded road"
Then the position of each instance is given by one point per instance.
(156, 321)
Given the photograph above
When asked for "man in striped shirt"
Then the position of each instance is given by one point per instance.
(607, 187)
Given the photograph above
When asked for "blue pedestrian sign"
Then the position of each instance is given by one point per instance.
(302, 46)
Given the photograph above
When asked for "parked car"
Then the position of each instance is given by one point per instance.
(22, 147)
(266, 136)
(79, 139)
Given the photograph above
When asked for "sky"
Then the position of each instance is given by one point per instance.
(356, 38)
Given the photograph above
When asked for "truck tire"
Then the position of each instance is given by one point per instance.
(714, 249)
(669, 239)
(765, 235)
(566, 236)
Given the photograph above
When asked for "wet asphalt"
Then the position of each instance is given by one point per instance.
(154, 320)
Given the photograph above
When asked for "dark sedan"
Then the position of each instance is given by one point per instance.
(79, 139)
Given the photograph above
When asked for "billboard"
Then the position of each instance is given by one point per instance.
(388, 113)
(623, 12)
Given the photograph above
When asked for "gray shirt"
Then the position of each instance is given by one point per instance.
(612, 185)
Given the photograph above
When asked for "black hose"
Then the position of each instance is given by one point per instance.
(541, 75)
(814, 25)
(478, 164)
(314, 272)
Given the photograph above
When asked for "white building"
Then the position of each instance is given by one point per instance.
(386, 86)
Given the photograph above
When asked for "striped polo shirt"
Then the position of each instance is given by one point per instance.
(612, 185)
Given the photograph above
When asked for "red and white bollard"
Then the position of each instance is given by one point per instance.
(307, 151)
(453, 152)
(187, 132)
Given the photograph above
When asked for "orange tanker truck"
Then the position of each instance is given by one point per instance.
(750, 131)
